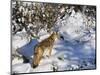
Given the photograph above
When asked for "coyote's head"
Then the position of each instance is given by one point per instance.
(55, 35)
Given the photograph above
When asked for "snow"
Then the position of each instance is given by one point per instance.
(21, 68)
(19, 40)
(28, 49)
(69, 58)
(76, 51)
(17, 60)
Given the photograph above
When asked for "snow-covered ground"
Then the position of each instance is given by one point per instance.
(76, 51)
(65, 56)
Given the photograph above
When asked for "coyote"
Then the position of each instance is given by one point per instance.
(44, 46)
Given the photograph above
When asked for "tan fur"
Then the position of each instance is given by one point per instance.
(46, 44)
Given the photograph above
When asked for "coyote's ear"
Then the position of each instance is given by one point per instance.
(54, 32)
(57, 32)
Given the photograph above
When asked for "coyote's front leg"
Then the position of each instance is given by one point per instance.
(50, 51)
